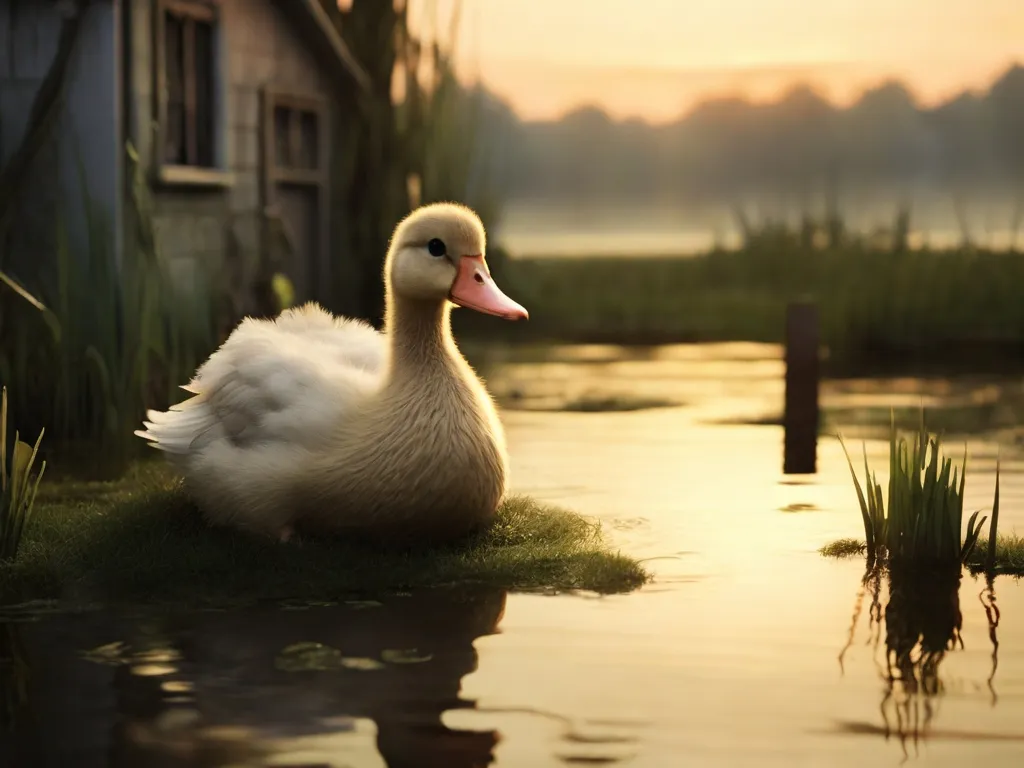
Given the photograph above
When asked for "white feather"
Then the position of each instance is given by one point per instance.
(288, 379)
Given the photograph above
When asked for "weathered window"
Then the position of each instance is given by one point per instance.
(188, 85)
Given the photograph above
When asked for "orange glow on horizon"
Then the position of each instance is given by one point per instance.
(655, 59)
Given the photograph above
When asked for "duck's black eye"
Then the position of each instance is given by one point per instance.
(436, 248)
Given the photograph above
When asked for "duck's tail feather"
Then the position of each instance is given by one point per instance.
(174, 430)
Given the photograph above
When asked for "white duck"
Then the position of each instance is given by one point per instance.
(328, 425)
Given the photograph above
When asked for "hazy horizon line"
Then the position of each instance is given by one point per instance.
(736, 95)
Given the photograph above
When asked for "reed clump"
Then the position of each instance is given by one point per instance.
(919, 522)
(18, 485)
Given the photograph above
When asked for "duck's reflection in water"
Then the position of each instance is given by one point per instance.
(277, 686)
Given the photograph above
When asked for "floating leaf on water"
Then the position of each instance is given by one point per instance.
(112, 653)
(158, 656)
(404, 656)
(305, 657)
(153, 670)
(361, 663)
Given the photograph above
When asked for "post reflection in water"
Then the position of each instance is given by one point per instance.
(242, 686)
(923, 622)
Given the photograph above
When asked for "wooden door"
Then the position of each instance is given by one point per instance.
(296, 185)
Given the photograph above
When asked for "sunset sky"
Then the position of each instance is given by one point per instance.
(655, 58)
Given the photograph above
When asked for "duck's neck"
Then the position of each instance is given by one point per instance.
(420, 336)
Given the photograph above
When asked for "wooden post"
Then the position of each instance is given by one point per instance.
(800, 421)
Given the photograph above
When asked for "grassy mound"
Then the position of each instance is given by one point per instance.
(139, 538)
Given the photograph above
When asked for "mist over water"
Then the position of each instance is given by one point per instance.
(574, 228)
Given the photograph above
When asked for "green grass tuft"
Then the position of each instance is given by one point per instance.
(18, 486)
(139, 538)
(921, 520)
(1009, 556)
(842, 548)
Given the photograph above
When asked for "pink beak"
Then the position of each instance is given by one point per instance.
(475, 289)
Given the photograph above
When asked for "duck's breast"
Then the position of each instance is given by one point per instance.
(427, 468)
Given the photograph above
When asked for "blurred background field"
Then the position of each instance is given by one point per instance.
(891, 192)
(946, 310)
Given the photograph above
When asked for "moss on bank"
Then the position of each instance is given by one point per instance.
(1009, 553)
(139, 539)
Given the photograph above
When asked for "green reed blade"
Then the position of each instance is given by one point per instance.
(993, 530)
(973, 532)
(3, 439)
(865, 515)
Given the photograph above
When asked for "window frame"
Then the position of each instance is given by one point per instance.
(276, 97)
(215, 175)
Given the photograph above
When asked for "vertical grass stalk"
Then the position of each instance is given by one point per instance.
(18, 486)
(993, 529)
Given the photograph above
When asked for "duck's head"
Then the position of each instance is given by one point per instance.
(437, 253)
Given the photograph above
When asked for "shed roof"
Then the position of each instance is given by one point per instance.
(316, 27)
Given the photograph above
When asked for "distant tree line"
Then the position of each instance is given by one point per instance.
(795, 145)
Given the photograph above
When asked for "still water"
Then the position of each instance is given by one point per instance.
(749, 649)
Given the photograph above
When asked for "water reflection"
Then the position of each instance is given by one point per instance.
(308, 684)
(729, 659)
(922, 622)
(988, 601)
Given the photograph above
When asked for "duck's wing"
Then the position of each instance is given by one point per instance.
(343, 339)
(271, 382)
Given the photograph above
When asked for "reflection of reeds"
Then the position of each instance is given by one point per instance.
(14, 674)
(872, 582)
(858, 605)
(988, 600)
(923, 622)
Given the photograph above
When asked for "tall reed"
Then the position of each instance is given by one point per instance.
(18, 485)
(113, 336)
